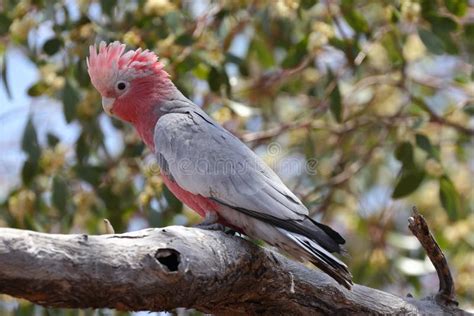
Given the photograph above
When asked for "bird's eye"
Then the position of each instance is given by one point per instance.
(121, 85)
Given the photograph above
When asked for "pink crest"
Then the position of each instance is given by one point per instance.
(110, 62)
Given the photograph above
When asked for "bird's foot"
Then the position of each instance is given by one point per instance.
(210, 222)
(214, 226)
(217, 227)
(210, 219)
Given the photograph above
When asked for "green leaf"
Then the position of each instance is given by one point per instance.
(228, 87)
(27, 310)
(108, 6)
(189, 63)
(262, 52)
(442, 27)
(449, 197)
(391, 47)
(29, 143)
(184, 39)
(457, 7)
(134, 150)
(307, 4)
(434, 44)
(357, 21)
(70, 99)
(428, 8)
(223, 12)
(424, 143)
(60, 194)
(469, 31)
(335, 105)
(354, 18)
(231, 58)
(4, 23)
(81, 74)
(83, 148)
(408, 182)
(5, 78)
(29, 170)
(404, 154)
(52, 46)
(335, 99)
(90, 174)
(309, 149)
(296, 54)
(213, 78)
(53, 140)
(37, 89)
(469, 109)
(30, 146)
(442, 24)
(450, 46)
(201, 71)
(216, 78)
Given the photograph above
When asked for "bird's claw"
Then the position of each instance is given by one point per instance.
(210, 226)
(210, 222)
(210, 219)
(216, 227)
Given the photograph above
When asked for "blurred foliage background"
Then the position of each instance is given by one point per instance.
(365, 108)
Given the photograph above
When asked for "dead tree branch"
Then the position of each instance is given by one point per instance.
(419, 228)
(161, 269)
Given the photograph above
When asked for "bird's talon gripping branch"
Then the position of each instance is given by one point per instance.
(210, 218)
(230, 231)
(211, 222)
(214, 226)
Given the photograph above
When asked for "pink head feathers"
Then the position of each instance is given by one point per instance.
(132, 84)
(110, 64)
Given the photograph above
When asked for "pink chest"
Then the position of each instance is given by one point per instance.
(200, 204)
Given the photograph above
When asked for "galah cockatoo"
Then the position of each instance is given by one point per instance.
(205, 166)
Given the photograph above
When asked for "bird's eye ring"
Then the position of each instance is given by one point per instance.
(121, 85)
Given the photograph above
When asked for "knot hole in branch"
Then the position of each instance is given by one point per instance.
(169, 258)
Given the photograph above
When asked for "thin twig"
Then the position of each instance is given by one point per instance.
(435, 118)
(270, 133)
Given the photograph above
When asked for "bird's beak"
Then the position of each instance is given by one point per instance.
(107, 104)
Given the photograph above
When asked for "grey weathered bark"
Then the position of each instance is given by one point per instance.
(161, 269)
(418, 226)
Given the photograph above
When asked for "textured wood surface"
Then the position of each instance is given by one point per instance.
(161, 269)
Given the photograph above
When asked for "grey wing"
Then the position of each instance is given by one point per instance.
(203, 158)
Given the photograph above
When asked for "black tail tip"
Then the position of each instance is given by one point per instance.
(337, 272)
(347, 284)
(344, 278)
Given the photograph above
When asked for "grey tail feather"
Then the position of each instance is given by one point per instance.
(318, 232)
(335, 236)
(315, 240)
(323, 260)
